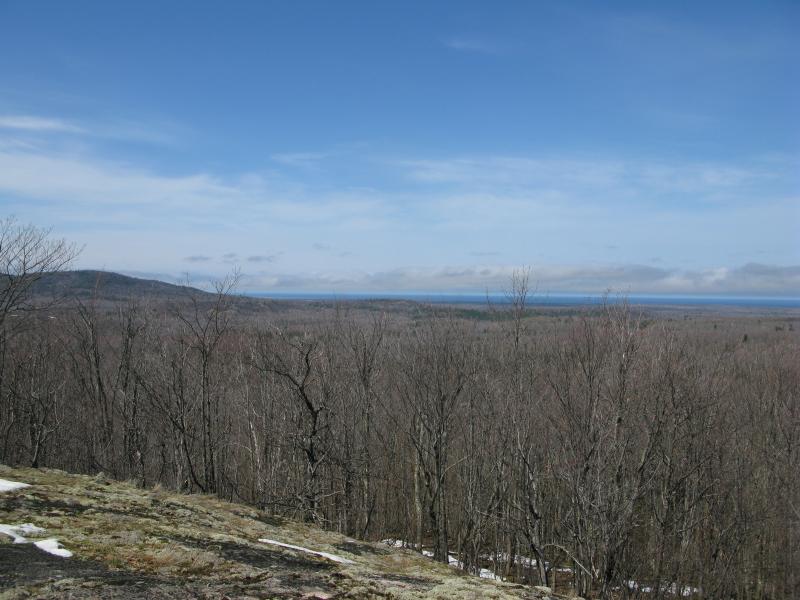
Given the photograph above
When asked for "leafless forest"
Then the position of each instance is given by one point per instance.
(611, 446)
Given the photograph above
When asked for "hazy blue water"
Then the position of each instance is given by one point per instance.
(545, 300)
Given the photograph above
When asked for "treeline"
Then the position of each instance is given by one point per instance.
(628, 458)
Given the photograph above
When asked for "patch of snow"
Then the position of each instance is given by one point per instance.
(31, 529)
(685, 591)
(53, 546)
(528, 561)
(489, 574)
(451, 559)
(632, 585)
(8, 486)
(327, 555)
(18, 533)
(14, 532)
(519, 559)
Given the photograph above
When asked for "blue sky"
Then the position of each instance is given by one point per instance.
(645, 147)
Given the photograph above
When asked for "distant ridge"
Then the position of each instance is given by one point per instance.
(108, 285)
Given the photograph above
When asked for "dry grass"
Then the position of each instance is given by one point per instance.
(203, 539)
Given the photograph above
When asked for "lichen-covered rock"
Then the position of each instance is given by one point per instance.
(129, 542)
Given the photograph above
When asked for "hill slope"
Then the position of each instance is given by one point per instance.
(114, 540)
(109, 285)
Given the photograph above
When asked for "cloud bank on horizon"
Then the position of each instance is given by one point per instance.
(639, 150)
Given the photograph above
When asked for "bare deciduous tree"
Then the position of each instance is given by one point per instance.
(26, 254)
(591, 450)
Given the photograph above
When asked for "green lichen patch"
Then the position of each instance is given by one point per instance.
(130, 542)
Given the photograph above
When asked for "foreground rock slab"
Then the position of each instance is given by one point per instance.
(127, 542)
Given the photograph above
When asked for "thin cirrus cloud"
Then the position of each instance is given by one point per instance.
(83, 186)
(232, 258)
(262, 258)
(114, 130)
(489, 172)
(84, 179)
(475, 45)
(429, 212)
(749, 279)
(38, 124)
(752, 279)
(300, 159)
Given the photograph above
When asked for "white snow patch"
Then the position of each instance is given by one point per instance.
(31, 529)
(685, 591)
(632, 585)
(14, 532)
(18, 533)
(520, 559)
(327, 555)
(8, 486)
(53, 546)
(451, 560)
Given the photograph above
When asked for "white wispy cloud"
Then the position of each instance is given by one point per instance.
(262, 258)
(117, 129)
(749, 279)
(84, 187)
(299, 159)
(752, 279)
(38, 124)
(476, 45)
(553, 173)
(84, 179)
(606, 215)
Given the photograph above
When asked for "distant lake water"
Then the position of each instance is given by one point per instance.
(543, 299)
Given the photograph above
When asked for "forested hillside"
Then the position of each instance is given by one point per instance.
(607, 453)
